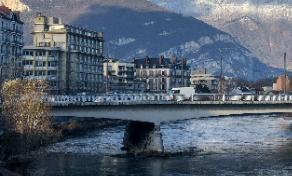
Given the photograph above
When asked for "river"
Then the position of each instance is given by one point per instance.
(234, 145)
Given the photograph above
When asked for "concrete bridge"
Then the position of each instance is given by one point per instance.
(143, 131)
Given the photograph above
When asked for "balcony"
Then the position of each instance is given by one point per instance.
(28, 67)
(52, 68)
(52, 77)
(52, 58)
(28, 57)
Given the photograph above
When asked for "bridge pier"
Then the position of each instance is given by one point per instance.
(143, 137)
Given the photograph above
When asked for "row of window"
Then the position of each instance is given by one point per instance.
(40, 63)
(89, 77)
(40, 53)
(84, 41)
(10, 50)
(11, 25)
(96, 51)
(162, 73)
(86, 59)
(40, 73)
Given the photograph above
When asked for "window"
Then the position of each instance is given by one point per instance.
(40, 63)
(40, 73)
(28, 73)
(40, 53)
(52, 72)
(52, 64)
(28, 62)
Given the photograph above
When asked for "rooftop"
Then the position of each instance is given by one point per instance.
(7, 13)
(160, 62)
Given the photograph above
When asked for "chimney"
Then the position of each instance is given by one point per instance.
(147, 60)
(161, 60)
(39, 14)
(173, 60)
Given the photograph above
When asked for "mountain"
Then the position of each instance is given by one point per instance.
(139, 28)
(262, 26)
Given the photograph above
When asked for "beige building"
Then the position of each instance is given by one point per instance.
(202, 77)
(280, 84)
(69, 58)
(162, 74)
(11, 43)
(119, 76)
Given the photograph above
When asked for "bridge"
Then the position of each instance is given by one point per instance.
(147, 113)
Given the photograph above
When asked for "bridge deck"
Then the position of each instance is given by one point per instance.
(158, 112)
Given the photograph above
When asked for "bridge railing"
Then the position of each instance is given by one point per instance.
(241, 97)
(159, 98)
(106, 99)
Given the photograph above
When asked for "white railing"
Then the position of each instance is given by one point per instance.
(161, 98)
(113, 98)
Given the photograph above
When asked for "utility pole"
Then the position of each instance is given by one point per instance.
(221, 72)
(285, 70)
(182, 73)
(107, 77)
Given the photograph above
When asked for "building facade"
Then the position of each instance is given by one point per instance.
(202, 77)
(69, 58)
(11, 43)
(162, 74)
(280, 84)
(119, 76)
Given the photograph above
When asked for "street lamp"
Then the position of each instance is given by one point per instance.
(285, 75)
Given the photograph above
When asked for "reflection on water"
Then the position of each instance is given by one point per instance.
(249, 145)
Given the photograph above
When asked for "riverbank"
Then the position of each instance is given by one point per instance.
(64, 128)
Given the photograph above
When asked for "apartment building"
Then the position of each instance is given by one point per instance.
(201, 76)
(119, 76)
(70, 58)
(11, 43)
(162, 74)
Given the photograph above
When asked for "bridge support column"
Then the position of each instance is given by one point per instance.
(142, 137)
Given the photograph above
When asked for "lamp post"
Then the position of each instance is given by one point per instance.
(285, 74)
(221, 72)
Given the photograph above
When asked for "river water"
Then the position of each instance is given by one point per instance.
(235, 145)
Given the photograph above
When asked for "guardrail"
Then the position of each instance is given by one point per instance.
(164, 99)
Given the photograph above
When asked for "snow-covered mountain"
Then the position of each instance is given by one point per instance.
(140, 28)
(263, 26)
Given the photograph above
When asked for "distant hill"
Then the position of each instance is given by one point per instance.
(139, 28)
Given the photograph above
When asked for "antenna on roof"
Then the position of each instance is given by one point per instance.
(39, 14)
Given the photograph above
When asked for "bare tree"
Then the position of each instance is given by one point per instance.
(24, 110)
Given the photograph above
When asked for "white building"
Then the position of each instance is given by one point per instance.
(162, 74)
(202, 77)
(11, 43)
(68, 57)
(119, 77)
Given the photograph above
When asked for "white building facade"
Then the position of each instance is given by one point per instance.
(69, 58)
(162, 74)
(202, 77)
